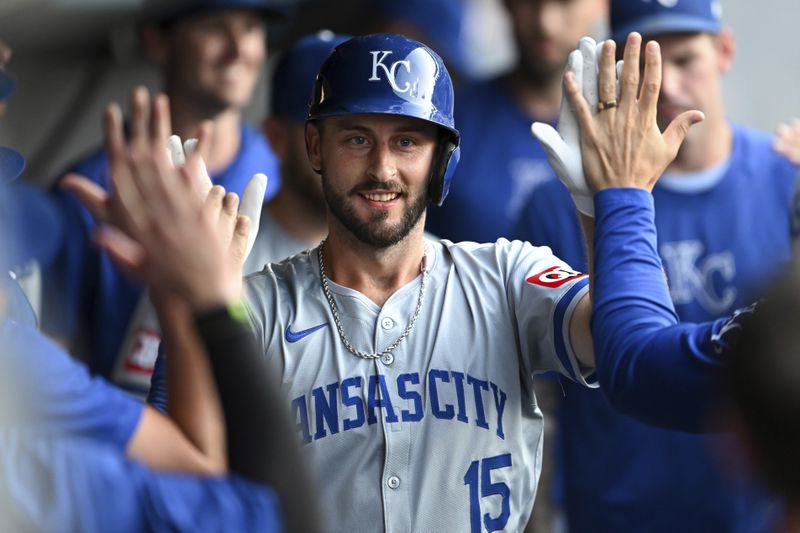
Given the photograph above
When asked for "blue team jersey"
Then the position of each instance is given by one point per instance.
(501, 164)
(719, 243)
(62, 465)
(85, 294)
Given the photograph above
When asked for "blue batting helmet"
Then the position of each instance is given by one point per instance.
(391, 75)
(674, 16)
(294, 75)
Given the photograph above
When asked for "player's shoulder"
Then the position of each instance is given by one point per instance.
(296, 268)
(475, 98)
(753, 150)
(92, 165)
(500, 256)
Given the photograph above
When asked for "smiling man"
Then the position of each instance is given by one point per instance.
(408, 362)
(210, 53)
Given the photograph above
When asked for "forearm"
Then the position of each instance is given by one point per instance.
(587, 225)
(262, 443)
(192, 396)
(648, 365)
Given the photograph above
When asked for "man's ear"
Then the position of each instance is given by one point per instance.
(726, 49)
(314, 146)
(154, 43)
(276, 136)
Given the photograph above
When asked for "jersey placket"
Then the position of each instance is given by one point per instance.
(396, 481)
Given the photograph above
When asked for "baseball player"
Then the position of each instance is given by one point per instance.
(294, 220)
(726, 220)
(408, 362)
(502, 165)
(763, 380)
(69, 437)
(210, 53)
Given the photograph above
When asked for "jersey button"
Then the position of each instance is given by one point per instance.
(387, 323)
(393, 482)
(387, 359)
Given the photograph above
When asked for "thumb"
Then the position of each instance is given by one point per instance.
(679, 127)
(92, 196)
(176, 153)
(550, 140)
(240, 248)
(251, 205)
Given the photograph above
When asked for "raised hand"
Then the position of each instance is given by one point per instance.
(563, 146)
(252, 196)
(787, 140)
(158, 227)
(621, 145)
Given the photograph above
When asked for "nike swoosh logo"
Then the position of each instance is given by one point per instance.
(294, 336)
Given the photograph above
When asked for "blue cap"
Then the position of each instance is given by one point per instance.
(653, 17)
(294, 75)
(441, 22)
(11, 162)
(7, 84)
(30, 225)
(167, 11)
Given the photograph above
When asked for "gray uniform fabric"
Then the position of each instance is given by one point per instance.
(139, 350)
(272, 244)
(445, 435)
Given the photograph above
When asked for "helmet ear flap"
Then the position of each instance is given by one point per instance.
(444, 164)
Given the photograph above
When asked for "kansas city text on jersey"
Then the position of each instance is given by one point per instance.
(355, 401)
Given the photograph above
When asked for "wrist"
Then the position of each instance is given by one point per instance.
(222, 321)
(584, 203)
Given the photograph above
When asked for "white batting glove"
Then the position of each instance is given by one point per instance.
(250, 206)
(563, 147)
(252, 196)
(177, 153)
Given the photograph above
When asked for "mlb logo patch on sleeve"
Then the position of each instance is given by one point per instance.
(555, 277)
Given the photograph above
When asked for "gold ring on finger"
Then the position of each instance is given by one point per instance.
(608, 104)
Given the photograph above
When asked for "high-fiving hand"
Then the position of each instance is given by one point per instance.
(252, 196)
(563, 146)
(621, 145)
(156, 225)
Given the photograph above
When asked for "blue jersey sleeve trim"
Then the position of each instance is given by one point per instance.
(561, 328)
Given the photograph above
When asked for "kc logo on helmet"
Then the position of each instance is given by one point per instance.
(411, 78)
(378, 56)
(554, 277)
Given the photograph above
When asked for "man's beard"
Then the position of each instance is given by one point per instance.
(369, 232)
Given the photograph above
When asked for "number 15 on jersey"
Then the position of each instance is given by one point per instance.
(479, 480)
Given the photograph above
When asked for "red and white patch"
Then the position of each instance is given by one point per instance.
(143, 354)
(555, 277)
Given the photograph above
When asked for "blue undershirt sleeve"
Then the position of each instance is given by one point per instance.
(649, 366)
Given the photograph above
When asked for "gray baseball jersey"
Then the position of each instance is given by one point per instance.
(272, 244)
(139, 349)
(445, 433)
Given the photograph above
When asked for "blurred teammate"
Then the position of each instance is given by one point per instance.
(502, 164)
(764, 380)
(725, 225)
(68, 437)
(210, 54)
(391, 347)
(294, 220)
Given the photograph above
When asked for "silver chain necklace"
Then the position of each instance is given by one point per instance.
(347, 344)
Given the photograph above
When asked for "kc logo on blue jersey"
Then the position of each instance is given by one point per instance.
(695, 275)
(294, 336)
